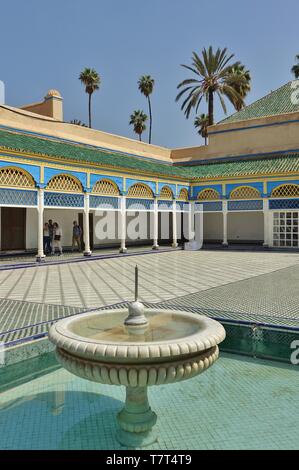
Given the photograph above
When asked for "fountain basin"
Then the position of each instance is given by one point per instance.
(175, 346)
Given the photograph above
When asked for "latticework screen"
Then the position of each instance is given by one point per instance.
(208, 194)
(140, 190)
(166, 193)
(64, 183)
(16, 178)
(245, 192)
(105, 188)
(183, 195)
(286, 190)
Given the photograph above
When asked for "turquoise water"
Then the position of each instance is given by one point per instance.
(239, 403)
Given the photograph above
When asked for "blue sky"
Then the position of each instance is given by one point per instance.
(45, 44)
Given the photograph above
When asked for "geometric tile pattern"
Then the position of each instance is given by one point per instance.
(239, 403)
(165, 206)
(104, 202)
(24, 319)
(15, 177)
(105, 188)
(286, 190)
(183, 195)
(63, 200)
(245, 205)
(245, 192)
(211, 206)
(166, 193)
(16, 197)
(140, 190)
(208, 194)
(139, 205)
(246, 286)
(64, 183)
(284, 204)
(182, 206)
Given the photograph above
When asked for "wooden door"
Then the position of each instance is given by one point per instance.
(13, 228)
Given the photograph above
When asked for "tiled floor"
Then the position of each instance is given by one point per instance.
(239, 403)
(162, 276)
(231, 285)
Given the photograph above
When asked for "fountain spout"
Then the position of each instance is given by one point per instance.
(136, 322)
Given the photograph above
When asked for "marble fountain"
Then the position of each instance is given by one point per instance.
(137, 348)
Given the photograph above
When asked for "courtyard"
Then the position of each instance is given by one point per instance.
(251, 286)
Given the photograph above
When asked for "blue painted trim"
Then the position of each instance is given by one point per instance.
(118, 180)
(151, 184)
(229, 158)
(50, 172)
(33, 170)
(252, 205)
(283, 204)
(257, 126)
(198, 189)
(230, 187)
(68, 141)
(274, 184)
(85, 167)
(171, 186)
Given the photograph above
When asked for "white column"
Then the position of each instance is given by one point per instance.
(224, 212)
(174, 225)
(266, 222)
(191, 221)
(155, 228)
(87, 251)
(123, 225)
(40, 240)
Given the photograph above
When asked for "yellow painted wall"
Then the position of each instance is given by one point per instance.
(24, 120)
(250, 140)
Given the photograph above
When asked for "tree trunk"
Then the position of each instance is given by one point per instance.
(150, 114)
(211, 108)
(140, 137)
(205, 140)
(89, 108)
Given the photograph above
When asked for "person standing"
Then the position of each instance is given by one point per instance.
(57, 238)
(77, 234)
(51, 234)
(47, 239)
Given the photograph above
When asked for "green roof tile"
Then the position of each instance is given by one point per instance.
(276, 102)
(288, 163)
(85, 154)
(282, 164)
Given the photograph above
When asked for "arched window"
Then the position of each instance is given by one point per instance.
(183, 195)
(106, 187)
(140, 190)
(166, 193)
(16, 178)
(64, 183)
(245, 192)
(286, 190)
(208, 194)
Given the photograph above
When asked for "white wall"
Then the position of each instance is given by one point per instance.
(65, 218)
(245, 226)
(213, 226)
(31, 229)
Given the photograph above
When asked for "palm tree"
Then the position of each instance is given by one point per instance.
(77, 122)
(201, 123)
(138, 119)
(146, 85)
(214, 75)
(239, 78)
(91, 80)
(295, 68)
